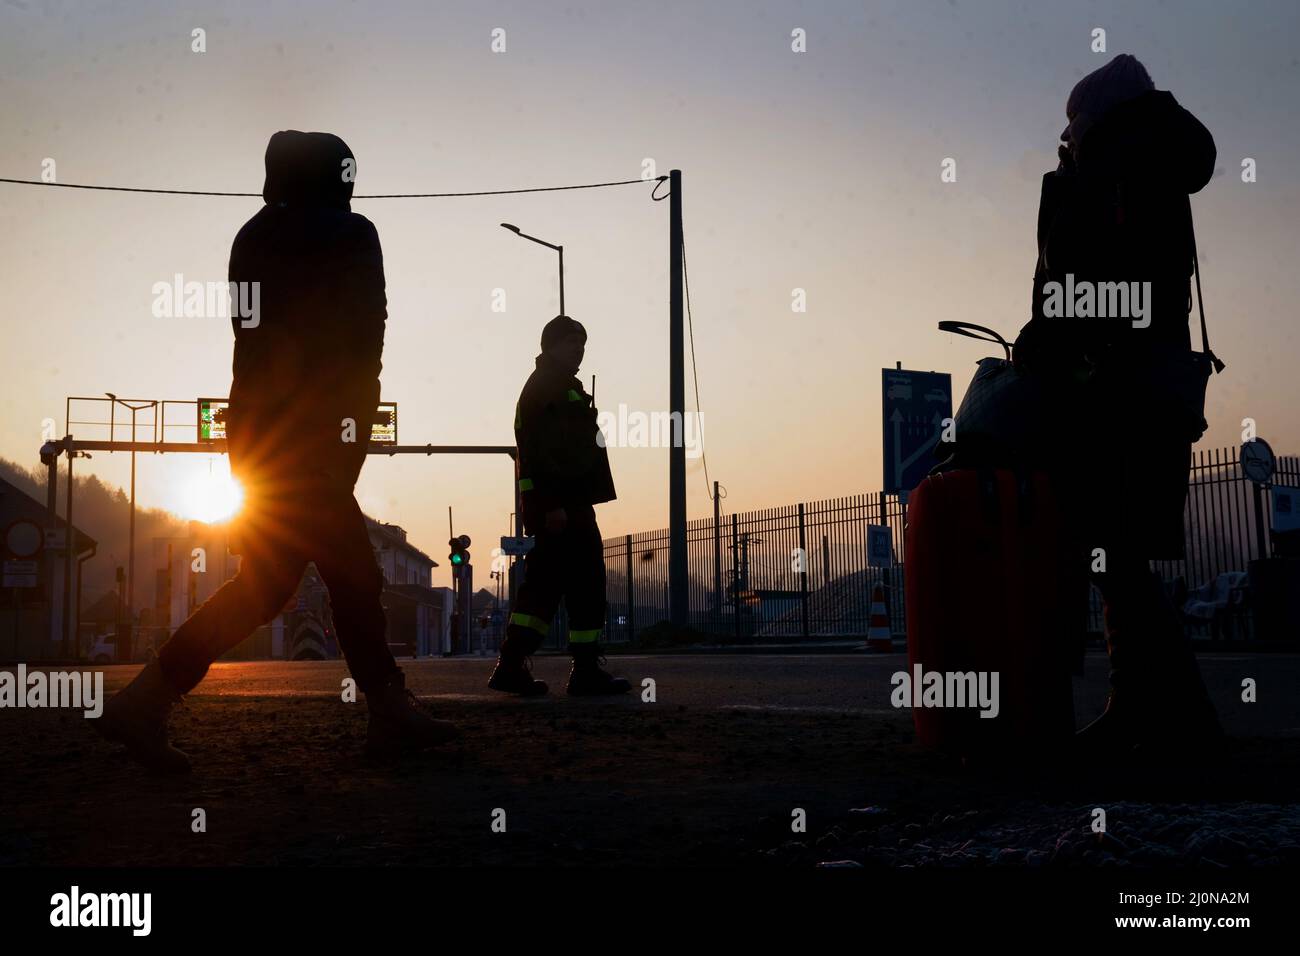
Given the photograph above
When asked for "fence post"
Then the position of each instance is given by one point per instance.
(631, 619)
(717, 561)
(735, 578)
(826, 562)
(880, 575)
(1261, 535)
(892, 573)
(803, 574)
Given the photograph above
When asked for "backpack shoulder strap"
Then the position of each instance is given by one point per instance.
(1200, 300)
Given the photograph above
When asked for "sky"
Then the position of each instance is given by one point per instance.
(816, 170)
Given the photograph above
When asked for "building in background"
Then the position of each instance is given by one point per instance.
(419, 615)
(32, 597)
(188, 570)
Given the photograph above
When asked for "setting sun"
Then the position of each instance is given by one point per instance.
(210, 496)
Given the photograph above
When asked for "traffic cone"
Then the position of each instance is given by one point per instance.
(879, 636)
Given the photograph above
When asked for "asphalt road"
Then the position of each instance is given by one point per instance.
(709, 773)
(794, 683)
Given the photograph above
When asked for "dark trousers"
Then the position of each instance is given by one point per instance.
(286, 522)
(1148, 644)
(568, 564)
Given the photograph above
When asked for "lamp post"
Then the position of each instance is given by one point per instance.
(134, 406)
(542, 242)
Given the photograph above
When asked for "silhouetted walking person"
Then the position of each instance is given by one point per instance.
(1117, 211)
(563, 472)
(304, 367)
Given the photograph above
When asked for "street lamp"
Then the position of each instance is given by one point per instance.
(134, 407)
(542, 242)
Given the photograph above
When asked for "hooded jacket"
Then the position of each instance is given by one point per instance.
(1118, 211)
(312, 354)
(561, 461)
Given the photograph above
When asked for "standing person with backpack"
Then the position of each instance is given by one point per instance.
(1123, 389)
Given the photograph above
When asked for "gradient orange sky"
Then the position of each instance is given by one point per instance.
(816, 170)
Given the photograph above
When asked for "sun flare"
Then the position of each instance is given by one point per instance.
(212, 496)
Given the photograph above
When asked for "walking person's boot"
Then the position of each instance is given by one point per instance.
(586, 679)
(514, 671)
(136, 717)
(398, 721)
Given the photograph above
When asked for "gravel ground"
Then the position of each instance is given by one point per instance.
(1036, 835)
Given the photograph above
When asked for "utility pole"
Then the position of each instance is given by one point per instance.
(717, 556)
(50, 452)
(67, 555)
(126, 638)
(70, 645)
(677, 571)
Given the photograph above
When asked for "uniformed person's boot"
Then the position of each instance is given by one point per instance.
(587, 679)
(514, 671)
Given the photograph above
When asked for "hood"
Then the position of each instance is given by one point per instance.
(1150, 139)
(306, 169)
(1120, 80)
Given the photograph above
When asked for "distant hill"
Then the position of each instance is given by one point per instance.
(103, 512)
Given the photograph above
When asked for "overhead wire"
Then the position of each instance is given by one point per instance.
(657, 180)
(202, 192)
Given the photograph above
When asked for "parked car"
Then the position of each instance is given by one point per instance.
(104, 649)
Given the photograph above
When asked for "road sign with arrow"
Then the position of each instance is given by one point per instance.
(915, 406)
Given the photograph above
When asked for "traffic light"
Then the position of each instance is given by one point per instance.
(459, 556)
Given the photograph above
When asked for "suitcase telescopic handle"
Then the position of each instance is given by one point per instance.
(969, 329)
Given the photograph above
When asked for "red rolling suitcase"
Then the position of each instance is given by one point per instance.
(988, 591)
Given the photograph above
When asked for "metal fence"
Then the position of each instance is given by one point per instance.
(747, 571)
(800, 572)
(1227, 517)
